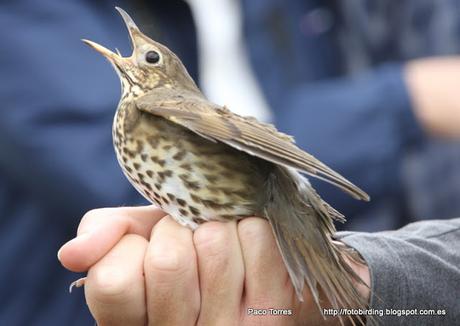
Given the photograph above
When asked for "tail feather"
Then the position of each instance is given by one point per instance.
(303, 227)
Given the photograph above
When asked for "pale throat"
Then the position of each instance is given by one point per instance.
(130, 87)
(130, 91)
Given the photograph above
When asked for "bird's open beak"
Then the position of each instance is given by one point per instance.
(134, 33)
(113, 57)
(136, 36)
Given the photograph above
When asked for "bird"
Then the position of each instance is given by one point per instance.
(198, 161)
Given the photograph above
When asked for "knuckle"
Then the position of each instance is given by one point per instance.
(212, 238)
(253, 228)
(91, 216)
(170, 251)
(108, 285)
(168, 259)
(88, 216)
(95, 212)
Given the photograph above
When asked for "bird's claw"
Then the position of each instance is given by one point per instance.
(78, 283)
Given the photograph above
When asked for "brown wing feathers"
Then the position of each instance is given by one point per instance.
(246, 134)
(253, 135)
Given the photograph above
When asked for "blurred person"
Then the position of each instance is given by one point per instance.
(56, 153)
(353, 83)
(334, 74)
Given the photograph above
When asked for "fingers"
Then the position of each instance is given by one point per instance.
(101, 229)
(266, 279)
(171, 274)
(114, 287)
(221, 270)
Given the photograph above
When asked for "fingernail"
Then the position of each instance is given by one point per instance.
(59, 253)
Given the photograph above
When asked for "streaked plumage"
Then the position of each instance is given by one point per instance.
(199, 161)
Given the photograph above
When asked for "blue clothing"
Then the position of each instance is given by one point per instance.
(56, 157)
(58, 99)
(56, 154)
(332, 72)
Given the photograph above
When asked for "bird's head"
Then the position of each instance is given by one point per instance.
(151, 64)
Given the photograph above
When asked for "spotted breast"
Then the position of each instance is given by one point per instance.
(191, 178)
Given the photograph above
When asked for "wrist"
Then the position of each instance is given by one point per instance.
(359, 266)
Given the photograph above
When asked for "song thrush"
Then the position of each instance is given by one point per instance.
(199, 161)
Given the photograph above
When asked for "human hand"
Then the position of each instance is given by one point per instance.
(433, 87)
(143, 267)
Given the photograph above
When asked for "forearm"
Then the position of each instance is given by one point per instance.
(416, 267)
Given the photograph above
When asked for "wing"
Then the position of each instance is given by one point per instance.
(247, 134)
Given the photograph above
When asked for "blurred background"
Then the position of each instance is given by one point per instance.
(370, 87)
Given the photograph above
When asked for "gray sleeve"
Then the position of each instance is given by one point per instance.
(413, 269)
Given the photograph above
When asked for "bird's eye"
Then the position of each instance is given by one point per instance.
(152, 57)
